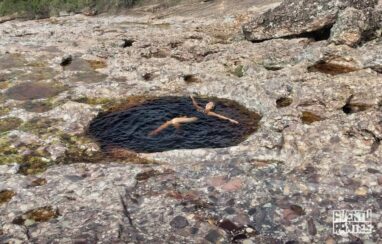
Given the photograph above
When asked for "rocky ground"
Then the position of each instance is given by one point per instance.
(318, 88)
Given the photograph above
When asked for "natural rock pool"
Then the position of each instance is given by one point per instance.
(130, 128)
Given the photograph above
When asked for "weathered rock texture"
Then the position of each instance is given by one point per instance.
(350, 26)
(311, 18)
(318, 147)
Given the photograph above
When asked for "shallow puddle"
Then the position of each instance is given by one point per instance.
(79, 64)
(34, 90)
(36, 74)
(50, 49)
(37, 107)
(12, 61)
(130, 128)
(88, 77)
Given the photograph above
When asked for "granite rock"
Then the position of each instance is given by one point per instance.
(307, 18)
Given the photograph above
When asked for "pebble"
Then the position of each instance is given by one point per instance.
(286, 190)
(330, 240)
(29, 222)
(297, 210)
(9, 169)
(229, 210)
(241, 219)
(217, 181)
(213, 236)
(179, 222)
(252, 211)
(232, 185)
(249, 230)
(194, 230)
(380, 180)
(368, 242)
(247, 242)
(361, 191)
(228, 225)
(312, 227)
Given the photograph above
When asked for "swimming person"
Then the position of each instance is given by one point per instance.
(208, 110)
(176, 122)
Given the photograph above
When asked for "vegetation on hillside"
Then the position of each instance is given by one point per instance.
(46, 8)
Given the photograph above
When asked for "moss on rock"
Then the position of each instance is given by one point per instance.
(6, 196)
(97, 64)
(42, 214)
(9, 154)
(238, 71)
(34, 165)
(10, 123)
(39, 126)
(38, 106)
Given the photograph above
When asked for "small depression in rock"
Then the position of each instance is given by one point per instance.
(191, 79)
(12, 61)
(331, 68)
(148, 76)
(130, 128)
(127, 43)
(88, 77)
(310, 118)
(37, 106)
(283, 102)
(351, 108)
(34, 90)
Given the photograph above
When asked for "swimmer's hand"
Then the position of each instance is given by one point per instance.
(210, 113)
(196, 105)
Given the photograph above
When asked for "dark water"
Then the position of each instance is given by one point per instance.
(130, 128)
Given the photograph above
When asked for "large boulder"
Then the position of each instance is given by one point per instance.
(350, 26)
(300, 18)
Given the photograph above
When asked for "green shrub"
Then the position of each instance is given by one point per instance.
(46, 8)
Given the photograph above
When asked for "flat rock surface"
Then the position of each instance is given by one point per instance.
(317, 148)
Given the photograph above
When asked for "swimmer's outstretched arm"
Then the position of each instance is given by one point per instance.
(210, 113)
(174, 122)
(196, 105)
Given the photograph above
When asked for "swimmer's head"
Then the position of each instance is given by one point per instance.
(210, 106)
